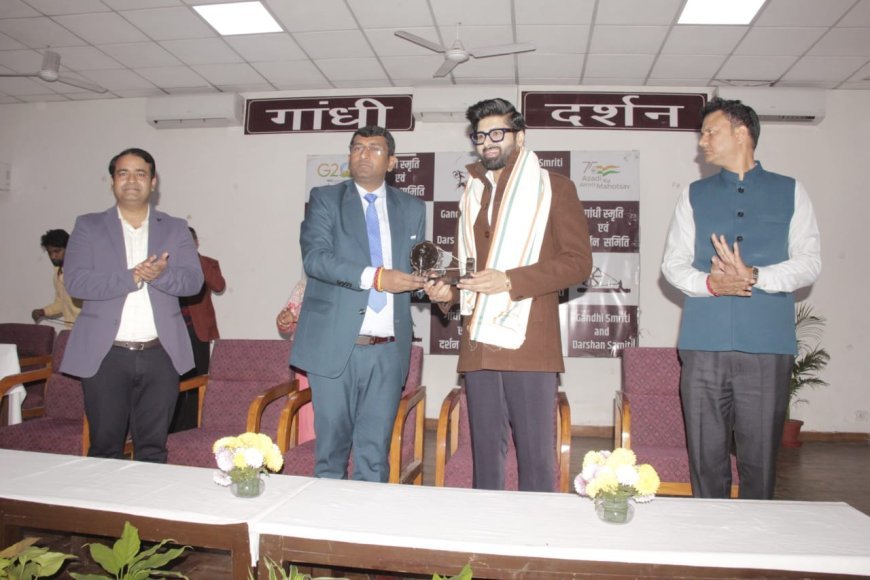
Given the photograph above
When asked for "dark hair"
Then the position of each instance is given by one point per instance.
(144, 155)
(192, 232)
(375, 131)
(491, 107)
(54, 238)
(738, 114)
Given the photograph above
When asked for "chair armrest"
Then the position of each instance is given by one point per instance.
(445, 434)
(258, 405)
(411, 399)
(563, 436)
(288, 428)
(10, 381)
(198, 382)
(621, 420)
(42, 360)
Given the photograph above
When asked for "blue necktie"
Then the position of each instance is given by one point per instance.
(377, 300)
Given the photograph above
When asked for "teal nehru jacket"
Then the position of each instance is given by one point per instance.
(755, 212)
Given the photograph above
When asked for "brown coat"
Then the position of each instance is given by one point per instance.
(565, 260)
(200, 306)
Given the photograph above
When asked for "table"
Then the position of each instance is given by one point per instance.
(423, 530)
(9, 366)
(512, 534)
(86, 495)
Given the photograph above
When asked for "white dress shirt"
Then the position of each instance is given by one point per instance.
(137, 318)
(378, 323)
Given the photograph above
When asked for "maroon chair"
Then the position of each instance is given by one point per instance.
(453, 454)
(245, 378)
(62, 427)
(406, 445)
(35, 343)
(648, 417)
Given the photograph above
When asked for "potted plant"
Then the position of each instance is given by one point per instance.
(809, 362)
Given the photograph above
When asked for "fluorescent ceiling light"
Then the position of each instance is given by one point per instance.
(720, 12)
(238, 18)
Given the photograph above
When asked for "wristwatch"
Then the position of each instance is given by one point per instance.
(754, 275)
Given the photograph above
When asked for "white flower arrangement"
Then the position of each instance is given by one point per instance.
(616, 474)
(245, 457)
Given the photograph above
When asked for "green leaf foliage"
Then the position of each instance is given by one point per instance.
(125, 561)
(24, 561)
(128, 545)
(464, 574)
(812, 358)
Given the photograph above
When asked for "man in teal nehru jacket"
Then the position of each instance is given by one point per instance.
(740, 243)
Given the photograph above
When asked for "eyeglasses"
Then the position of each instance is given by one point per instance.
(374, 150)
(495, 135)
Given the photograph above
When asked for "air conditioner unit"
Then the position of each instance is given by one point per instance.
(190, 111)
(448, 104)
(780, 105)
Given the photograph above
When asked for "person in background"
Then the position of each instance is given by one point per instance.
(54, 243)
(199, 316)
(286, 323)
(354, 332)
(526, 229)
(130, 264)
(740, 243)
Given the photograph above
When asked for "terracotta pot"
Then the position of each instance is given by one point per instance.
(791, 433)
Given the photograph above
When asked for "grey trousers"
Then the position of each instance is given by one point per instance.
(354, 413)
(734, 396)
(522, 402)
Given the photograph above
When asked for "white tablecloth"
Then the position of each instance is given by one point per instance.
(9, 366)
(171, 492)
(772, 535)
(812, 537)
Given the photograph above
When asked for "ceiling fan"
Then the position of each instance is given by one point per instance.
(457, 54)
(50, 72)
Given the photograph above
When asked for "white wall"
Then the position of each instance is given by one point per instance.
(244, 196)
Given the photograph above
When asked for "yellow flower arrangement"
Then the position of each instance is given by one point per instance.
(245, 457)
(616, 474)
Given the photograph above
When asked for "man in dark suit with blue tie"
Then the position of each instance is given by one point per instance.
(130, 264)
(354, 332)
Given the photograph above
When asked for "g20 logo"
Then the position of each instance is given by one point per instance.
(338, 170)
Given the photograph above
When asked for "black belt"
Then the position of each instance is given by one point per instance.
(366, 340)
(137, 345)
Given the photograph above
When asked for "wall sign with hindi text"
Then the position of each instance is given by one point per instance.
(313, 114)
(632, 111)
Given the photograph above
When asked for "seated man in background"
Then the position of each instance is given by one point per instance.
(54, 243)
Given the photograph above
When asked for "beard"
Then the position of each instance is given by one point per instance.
(57, 263)
(495, 163)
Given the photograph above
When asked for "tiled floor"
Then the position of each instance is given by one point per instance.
(818, 471)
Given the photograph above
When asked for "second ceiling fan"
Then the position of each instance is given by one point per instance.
(457, 54)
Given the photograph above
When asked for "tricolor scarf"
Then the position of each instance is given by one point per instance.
(516, 242)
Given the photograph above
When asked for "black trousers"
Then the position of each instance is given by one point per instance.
(187, 407)
(135, 389)
(518, 402)
(734, 396)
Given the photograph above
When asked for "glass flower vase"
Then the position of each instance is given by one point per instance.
(250, 487)
(614, 509)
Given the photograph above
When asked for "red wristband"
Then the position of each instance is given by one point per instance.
(710, 288)
(377, 283)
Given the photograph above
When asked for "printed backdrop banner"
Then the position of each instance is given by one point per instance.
(599, 317)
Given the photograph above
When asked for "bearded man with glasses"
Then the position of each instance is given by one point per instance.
(527, 231)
